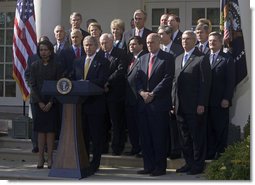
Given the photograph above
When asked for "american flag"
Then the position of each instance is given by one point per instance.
(24, 42)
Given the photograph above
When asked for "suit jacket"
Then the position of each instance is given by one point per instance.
(68, 32)
(66, 45)
(31, 59)
(98, 74)
(178, 38)
(223, 79)
(117, 80)
(192, 83)
(160, 81)
(131, 33)
(131, 93)
(206, 49)
(66, 60)
(176, 49)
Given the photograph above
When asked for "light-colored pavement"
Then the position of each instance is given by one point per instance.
(23, 170)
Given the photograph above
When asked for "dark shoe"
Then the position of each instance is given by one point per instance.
(139, 155)
(144, 172)
(175, 156)
(35, 150)
(158, 173)
(116, 153)
(195, 171)
(183, 169)
(40, 164)
(49, 164)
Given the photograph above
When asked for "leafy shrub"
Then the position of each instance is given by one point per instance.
(247, 128)
(233, 164)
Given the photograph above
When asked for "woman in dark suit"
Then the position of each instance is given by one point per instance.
(45, 108)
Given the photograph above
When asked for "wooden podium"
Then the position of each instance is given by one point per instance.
(71, 159)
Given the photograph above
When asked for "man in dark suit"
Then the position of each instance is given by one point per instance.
(174, 24)
(202, 32)
(192, 85)
(140, 17)
(75, 21)
(115, 90)
(135, 52)
(61, 42)
(154, 86)
(94, 68)
(167, 45)
(68, 55)
(222, 90)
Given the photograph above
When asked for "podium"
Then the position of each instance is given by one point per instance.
(71, 160)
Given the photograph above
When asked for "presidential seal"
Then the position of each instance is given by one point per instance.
(64, 86)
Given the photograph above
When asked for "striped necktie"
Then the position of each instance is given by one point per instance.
(86, 67)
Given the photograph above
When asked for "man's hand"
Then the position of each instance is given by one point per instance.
(147, 96)
(224, 103)
(47, 107)
(200, 109)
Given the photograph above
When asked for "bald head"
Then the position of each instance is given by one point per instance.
(153, 42)
(106, 42)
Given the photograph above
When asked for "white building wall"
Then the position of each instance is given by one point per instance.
(105, 11)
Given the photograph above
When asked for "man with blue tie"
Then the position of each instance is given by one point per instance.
(154, 85)
(222, 90)
(192, 87)
(94, 68)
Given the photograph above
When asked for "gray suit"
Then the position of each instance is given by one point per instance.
(192, 86)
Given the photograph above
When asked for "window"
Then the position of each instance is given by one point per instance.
(156, 14)
(7, 83)
(213, 14)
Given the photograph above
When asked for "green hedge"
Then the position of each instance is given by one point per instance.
(234, 163)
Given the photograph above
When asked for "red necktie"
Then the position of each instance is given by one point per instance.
(151, 62)
(132, 63)
(78, 54)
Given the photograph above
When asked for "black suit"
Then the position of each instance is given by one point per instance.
(153, 116)
(94, 106)
(223, 84)
(178, 38)
(174, 150)
(116, 97)
(58, 50)
(131, 33)
(131, 104)
(176, 49)
(66, 59)
(206, 49)
(192, 86)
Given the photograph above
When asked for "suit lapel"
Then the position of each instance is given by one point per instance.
(155, 65)
(188, 62)
(218, 60)
(133, 66)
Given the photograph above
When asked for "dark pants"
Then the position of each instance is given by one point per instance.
(92, 130)
(34, 136)
(133, 127)
(117, 116)
(174, 145)
(154, 130)
(218, 124)
(193, 135)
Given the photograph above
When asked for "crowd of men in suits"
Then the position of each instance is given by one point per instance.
(170, 90)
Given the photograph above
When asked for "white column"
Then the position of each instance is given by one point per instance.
(47, 15)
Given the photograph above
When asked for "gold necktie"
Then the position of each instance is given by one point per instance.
(86, 67)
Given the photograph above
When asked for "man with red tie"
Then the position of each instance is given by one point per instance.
(154, 85)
